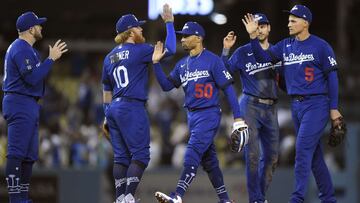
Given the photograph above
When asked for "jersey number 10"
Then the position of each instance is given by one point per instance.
(121, 76)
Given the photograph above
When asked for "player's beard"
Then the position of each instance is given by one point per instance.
(139, 38)
(37, 35)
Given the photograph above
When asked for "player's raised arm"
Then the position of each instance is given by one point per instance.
(251, 25)
(170, 41)
(158, 54)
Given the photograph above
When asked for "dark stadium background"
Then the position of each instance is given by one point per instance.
(74, 155)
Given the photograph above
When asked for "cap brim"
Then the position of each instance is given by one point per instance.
(41, 20)
(142, 22)
(289, 12)
(180, 32)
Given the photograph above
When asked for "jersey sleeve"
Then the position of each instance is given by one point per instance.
(174, 76)
(234, 62)
(273, 54)
(327, 59)
(146, 53)
(31, 69)
(105, 77)
(220, 74)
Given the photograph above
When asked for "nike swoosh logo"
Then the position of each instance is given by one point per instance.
(250, 54)
(182, 65)
(288, 45)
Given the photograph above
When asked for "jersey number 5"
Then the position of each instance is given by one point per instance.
(309, 74)
(121, 76)
(203, 90)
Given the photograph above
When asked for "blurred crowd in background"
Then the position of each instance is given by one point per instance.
(71, 114)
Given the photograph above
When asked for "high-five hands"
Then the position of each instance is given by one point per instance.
(229, 40)
(56, 51)
(158, 52)
(167, 14)
(251, 25)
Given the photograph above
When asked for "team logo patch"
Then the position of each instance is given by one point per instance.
(332, 61)
(227, 74)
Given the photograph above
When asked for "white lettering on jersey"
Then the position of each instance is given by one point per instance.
(258, 67)
(195, 75)
(332, 61)
(293, 59)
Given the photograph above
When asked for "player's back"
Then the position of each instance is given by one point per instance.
(125, 70)
(13, 74)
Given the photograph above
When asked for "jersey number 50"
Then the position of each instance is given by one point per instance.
(121, 76)
(203, 90)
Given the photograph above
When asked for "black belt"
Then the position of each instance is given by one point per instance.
(200, 108)
(268, 101)
(300, 98)
(34, 97)
(127, 99)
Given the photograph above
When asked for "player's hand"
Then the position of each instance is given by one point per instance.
(251, 25)
(106, 131)
(229, 40)
(56, 51)
(239, 136)
(158, 52)
(167, 14)
(335, 114)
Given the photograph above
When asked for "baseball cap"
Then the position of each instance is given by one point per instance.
(261, 18)
(192, 28)
(27, 20)
(126, 22)
(301, 11)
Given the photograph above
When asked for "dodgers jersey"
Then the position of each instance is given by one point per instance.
(23, 70)
(306, 64)
(258, 79)
(125, 70)
(201, 77)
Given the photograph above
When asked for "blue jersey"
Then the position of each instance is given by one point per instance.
(306, 64)
(258, 79)
(201, 77)
(24, 72)
(125, 70)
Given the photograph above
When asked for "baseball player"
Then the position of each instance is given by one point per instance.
(311, 80)
(23, 86)
(201, 74)
(125, 91)
(257, 106)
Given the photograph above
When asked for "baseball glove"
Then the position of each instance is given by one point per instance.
(337, 132)
(106, 131)
(239, 136)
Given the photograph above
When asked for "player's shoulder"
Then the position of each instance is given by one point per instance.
(210, 55)
(319, 41)
(243, 48)
(20, 46)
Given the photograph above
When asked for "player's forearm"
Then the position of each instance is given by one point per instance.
(170, 41)
(165, 83)
(261, 55)
(231, 97)
(333, 89)
(39, 73)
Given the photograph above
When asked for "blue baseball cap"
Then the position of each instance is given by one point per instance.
(261, 18)
(301, 11)
(27, 20)
(192, 28)
(126, 22)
